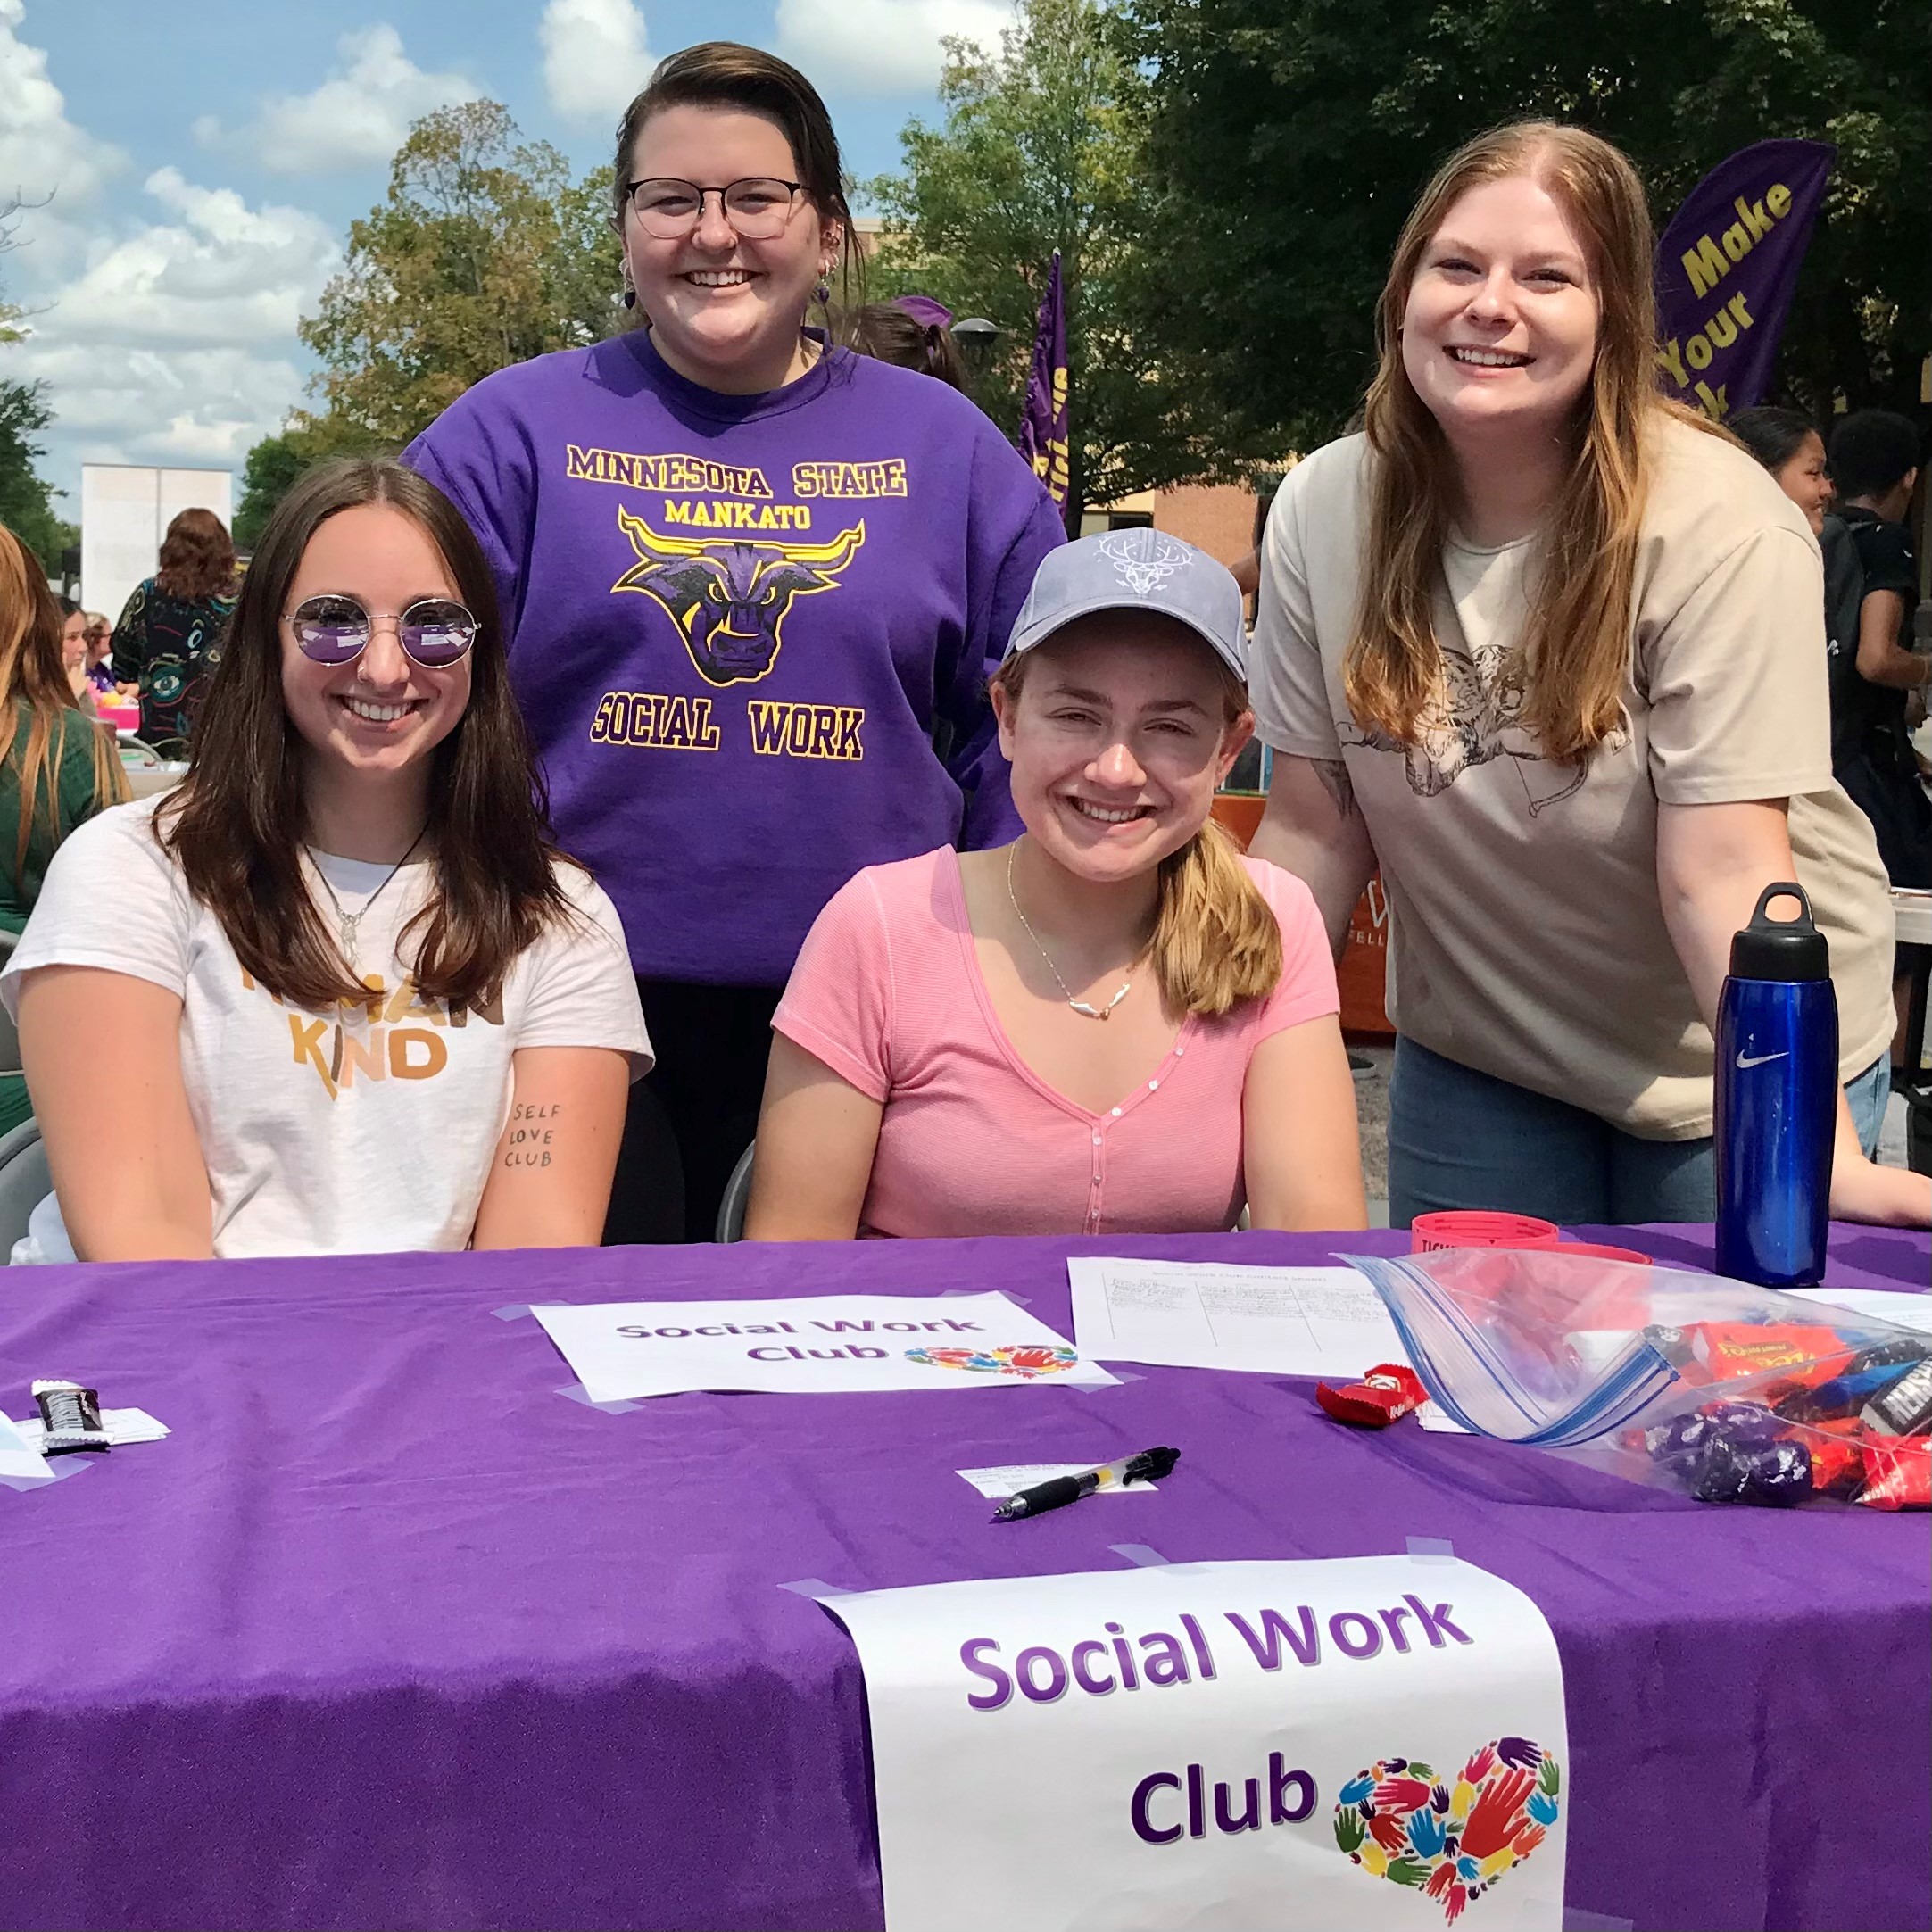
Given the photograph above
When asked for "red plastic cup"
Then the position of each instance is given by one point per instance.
(1458, 1228)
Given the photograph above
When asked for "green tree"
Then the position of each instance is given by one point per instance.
(26, 501)
(1038, 150)
(483, 254)
(274, 465)
(1287, 139)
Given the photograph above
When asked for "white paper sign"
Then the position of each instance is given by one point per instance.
(119, 1426)
(1908, 1310)
(1198, 1314)
(1371, 1742)
(810, 1345)
(20, 1461)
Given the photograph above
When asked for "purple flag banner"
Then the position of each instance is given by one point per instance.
(1726, 269)
(1044, 422)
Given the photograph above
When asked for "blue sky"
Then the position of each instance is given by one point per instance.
(205, 157)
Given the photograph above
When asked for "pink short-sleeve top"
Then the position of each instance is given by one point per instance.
(888, 993)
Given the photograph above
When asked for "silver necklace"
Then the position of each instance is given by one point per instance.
(1079, 1005)
(349, 922)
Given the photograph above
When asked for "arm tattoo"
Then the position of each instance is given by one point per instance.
(1334, 776)
(530, 1129)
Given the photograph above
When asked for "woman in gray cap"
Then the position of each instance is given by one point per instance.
(1117, 1023)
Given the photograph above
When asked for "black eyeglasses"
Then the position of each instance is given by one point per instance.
(334, 629)
(757, 207)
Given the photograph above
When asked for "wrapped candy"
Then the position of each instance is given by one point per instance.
(1385, 1394)
(1778, 1473)
(1733, 1452)
(1838, 1460)
(1898, 1472)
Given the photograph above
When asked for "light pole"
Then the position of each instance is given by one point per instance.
(976, 337)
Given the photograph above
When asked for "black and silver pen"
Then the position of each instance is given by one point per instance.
(1149, 1466)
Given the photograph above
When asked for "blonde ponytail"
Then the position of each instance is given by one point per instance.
(1216, 942)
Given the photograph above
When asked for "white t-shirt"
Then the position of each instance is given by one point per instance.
(365, 1131)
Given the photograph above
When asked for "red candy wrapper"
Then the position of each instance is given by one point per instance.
(1898, 1472)
(1727, 1349)
(1385, 1394)
(1837, 1459)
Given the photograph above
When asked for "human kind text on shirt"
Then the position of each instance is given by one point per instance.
(394, 1034)
(729, 591)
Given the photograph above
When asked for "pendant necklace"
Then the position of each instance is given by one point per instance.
(348, 921)
(1080, 1006)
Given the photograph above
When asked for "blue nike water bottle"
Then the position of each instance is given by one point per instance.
(1777, 1099)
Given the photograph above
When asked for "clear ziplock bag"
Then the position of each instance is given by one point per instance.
(1685, 1381)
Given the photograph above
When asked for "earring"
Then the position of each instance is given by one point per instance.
(822, 292)
(630, 298)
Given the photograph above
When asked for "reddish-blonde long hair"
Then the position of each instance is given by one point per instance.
(33, 673)
(1575, 649)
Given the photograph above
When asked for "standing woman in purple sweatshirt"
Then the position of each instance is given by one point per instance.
(752, 581)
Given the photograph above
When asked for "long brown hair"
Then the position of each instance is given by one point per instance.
(238, 821)
(1575, 651)
(197, 558)
(724, 73)
(33, 672)
(1216, 941)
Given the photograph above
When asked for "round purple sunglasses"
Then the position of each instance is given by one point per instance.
(334, 629)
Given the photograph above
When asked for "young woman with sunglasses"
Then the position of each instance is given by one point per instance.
(755, 585)
(360, 1002)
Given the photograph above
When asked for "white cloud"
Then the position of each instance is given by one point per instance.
(42, 152)
(883, 46)
(173, 340)
(354, 119)
(595, 59)
(162, 321)
(220, 273)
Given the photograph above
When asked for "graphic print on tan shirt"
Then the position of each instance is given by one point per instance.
(1528, 940)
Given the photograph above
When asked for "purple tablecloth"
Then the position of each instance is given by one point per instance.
(390, 1633)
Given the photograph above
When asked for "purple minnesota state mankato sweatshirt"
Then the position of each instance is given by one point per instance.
(735, 621)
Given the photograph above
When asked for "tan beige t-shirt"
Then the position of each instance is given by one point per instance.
(1529, 940)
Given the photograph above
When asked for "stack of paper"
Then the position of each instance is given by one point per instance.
(1195, 1315)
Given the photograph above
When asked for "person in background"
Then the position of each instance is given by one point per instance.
(1792, 450)
(938, 1069)
(98, 634)
(74, 654)
(59, 767)
(1789, 446)
(755, 585)
(914, 331)
(1551, 650)
(1874, 466)
(360, 1003)
(168, 637)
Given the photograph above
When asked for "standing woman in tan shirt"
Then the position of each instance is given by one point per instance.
(1550, 651)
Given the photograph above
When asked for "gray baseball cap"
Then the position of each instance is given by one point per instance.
(1135, 570)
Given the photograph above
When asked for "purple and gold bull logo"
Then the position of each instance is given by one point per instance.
(728, 595)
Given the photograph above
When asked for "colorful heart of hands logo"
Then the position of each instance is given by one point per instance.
(1028, 1361)
(1451, 1839)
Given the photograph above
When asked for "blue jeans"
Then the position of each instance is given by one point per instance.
(1461, 1139)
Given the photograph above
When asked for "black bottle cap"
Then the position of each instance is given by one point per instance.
(1771, 948)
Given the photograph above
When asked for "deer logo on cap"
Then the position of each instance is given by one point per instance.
(1141, 559)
